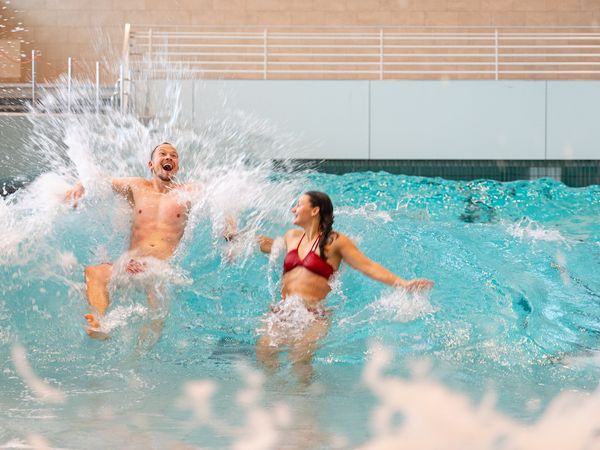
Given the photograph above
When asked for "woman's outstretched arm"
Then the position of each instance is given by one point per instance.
(357, 260)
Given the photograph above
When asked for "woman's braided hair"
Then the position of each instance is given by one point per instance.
(323, 202)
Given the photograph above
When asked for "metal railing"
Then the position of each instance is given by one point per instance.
(24, 97)
(365, 53)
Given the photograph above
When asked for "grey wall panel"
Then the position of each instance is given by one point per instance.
(156, 98)
(15, 159)
(329, 119)
(457, 120)
(573, 120)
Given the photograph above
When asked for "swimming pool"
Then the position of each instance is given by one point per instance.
(515, 310)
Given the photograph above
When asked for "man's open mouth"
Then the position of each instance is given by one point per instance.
(168, 167)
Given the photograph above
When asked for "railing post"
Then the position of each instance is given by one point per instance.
(121, 88)
(381, 53)
(496, 51)
(265, 54)
(97, 87)
(33, 75)
(69, 75)
(124, 69)
(127, 91)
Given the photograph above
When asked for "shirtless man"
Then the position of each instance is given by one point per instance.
(160, 214)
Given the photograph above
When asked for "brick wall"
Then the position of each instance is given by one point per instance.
(89, 30)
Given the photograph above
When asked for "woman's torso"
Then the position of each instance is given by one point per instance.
(312, 287)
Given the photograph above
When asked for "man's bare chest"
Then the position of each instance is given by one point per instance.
(169, 207)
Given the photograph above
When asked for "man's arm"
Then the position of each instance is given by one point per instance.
(230, 231)
(75, 193)
(121, 186)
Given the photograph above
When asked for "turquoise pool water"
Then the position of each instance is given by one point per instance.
(489, 358)
(515, 310)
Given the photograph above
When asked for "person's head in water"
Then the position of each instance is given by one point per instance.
(164, 161)
(311, 206)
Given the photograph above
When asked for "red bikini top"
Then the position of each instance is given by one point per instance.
(311, 261)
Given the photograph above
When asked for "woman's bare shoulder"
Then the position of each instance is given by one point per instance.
(337, 237)
(292, 233)
(336, 240)
(343, 243)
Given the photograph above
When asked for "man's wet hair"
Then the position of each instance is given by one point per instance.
(154, 149)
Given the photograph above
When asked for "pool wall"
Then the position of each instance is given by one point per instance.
(15, 158)
(371, 120)
(455, 129)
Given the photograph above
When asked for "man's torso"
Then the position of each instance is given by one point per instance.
(159, 219)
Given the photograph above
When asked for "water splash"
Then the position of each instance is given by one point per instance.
(461, 423)
(368, 211)
(261, 429)
(120, 316)
(27, 218)
(289, 319)
(526, 228)
(40, 388)
(396, 305)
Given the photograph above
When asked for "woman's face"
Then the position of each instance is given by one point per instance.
(304, 212)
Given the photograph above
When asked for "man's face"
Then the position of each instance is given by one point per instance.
(165, 162)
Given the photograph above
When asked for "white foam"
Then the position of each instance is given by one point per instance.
(155, 273)
(402, 306)
(120, 316)
(527, 228)
(277, 249)
(368, 211)
(397, 305)
(34, 441)
(66, 261)
(28, 218)
(288, 320)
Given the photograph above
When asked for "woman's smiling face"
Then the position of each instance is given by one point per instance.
(304, 211)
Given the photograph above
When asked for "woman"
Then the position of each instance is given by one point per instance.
(314, 253)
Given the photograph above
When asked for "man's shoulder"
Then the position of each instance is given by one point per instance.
(129, 180)
(190, 187)
(139, 182)
(126, 185)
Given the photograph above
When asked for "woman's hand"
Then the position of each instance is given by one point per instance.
(418, 284)
(265, 243)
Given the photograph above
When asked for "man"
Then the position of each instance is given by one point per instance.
(160, 208)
